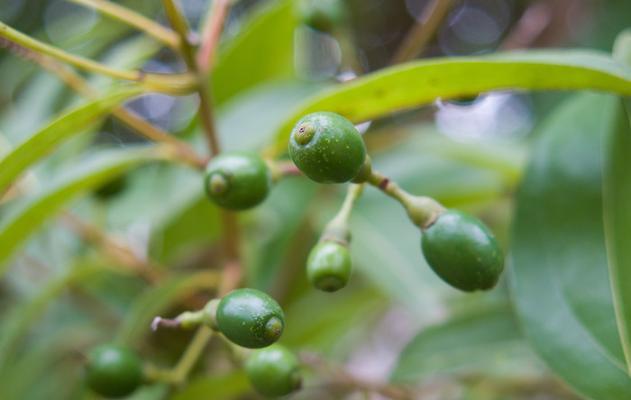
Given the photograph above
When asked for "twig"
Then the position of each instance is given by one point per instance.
(77, 83)
(113, 248)
(211, 34)
(529, 27)
(423, 31)
(133, 19)
(173, 83)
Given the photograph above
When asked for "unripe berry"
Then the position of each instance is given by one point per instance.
(327, 148)
(329, 266)
(274, 371)
(237, 180)
(250, 318)
(462, 251)
(113, 371)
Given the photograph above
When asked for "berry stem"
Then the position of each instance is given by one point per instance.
(422, 210)
(337, 229)
(132, 18)
(211, 32)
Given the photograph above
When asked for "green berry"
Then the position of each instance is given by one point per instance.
(250, 318)
(327, 148)
(462, 251)
(323, 15)
(274, 371)
(237, 180)
(113, 371)
(329, 266)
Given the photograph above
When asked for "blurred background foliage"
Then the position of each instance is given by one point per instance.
(396, 321)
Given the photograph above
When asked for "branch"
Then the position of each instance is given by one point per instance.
(175, 83)
(133, 19)
(423, 31)
(211, 34)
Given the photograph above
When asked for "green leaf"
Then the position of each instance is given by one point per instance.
(13, 164)
(86, 176)
(261, 52)
(617, 217)
(479, 342)
(560, 279)
(418, 83)
(156, 300)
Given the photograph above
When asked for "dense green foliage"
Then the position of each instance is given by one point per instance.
(116, 208)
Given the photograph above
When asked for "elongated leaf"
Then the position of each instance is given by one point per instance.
(617, 214)
(560, 279)
(156, 300)
(13, 164)
(261, 52)
(419, 83)
(481, 342)
(88, 175)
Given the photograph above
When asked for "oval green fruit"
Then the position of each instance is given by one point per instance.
(274, 371)
(250, 318)
(462, 251)
(327, 148)
(237, 180)
(113, 371)
(329, 266)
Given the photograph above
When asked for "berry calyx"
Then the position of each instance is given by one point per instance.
(113, 371)
(237, 180)
(462, 251)
(250, 318)
(274, 371)
(327, 148)
(329, 266)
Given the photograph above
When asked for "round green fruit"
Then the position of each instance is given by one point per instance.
(113, 371)
(238, 180)
(462, 251)
(327, 148)
(250, 318)
(274, 371)
(329, 266)
(323, 15)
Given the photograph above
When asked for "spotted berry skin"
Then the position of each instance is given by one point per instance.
(113, 371)
(274, 371)
(329, 266)
(250, 318)
(237, 180)
(462, 251)
(327, 148)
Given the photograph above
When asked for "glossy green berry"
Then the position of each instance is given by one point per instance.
(274, 371)
(323, 15)
(327, 148)
(237, 180)
(113, 371)
(462, 251)
(250, 318)
(329, 266)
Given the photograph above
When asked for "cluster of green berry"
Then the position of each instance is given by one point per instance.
(327, 148)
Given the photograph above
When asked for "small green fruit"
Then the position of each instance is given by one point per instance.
(237, 180)
(250, 318)
(113, 371)
(462, 251)
(323, 15)
(274, 371)
(329, 266)
(327, 148)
